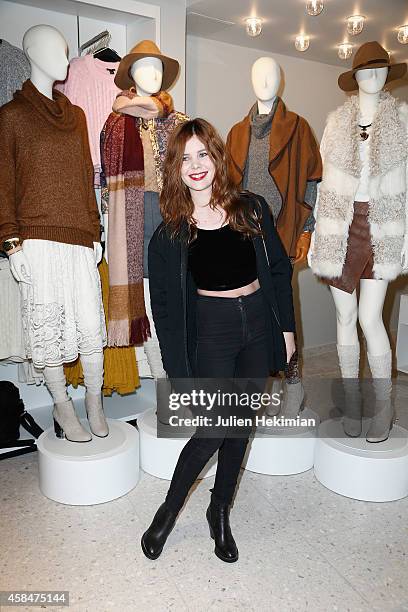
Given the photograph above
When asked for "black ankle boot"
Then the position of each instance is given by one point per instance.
(220, 531)
(155, 537)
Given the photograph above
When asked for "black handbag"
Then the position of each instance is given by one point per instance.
(12, 415)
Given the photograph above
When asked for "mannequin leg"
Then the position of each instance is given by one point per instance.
(92, 366)
(346, 315)
(348, 350)
(372, 296)
(65, 419)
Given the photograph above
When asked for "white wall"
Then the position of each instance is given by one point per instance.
(219, 89)
(172, 41)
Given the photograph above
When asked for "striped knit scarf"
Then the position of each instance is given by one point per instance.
(123, 195)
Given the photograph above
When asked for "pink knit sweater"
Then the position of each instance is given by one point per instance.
(90, 85)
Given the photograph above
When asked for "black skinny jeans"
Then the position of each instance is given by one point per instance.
(231, 343)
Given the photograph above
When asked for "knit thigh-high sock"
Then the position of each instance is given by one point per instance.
(56, 383)
(349, 359)
(154, 358)
(92, 366)
(381, 423)
(191, 461)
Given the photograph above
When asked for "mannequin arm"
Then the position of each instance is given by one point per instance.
(95, 227)
(129, 103)
(8, 223)
(290, 344)
(302, 247)
(20, 267)
(97, 251)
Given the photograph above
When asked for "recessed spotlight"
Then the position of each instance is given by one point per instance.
(314, 7)
(302, 42)
(403, 34)
(355, 24)
(253, 26)
(344, 51)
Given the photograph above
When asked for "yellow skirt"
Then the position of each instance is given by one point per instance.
(120, 367)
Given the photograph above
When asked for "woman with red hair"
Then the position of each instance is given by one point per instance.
(221, 296)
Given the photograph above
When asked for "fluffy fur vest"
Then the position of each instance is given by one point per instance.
(388, 206)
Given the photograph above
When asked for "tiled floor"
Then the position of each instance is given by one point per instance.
(302, 547)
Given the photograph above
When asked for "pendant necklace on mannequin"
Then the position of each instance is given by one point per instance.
(364, 134)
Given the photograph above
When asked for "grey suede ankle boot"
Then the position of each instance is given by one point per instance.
(274, 390)
(349, 359)
(293, 396)
(96, 417)
(66, 423)
(381, 422)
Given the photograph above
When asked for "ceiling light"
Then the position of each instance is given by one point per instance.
(344, 51)
(253, 26)
(403, 34)
(302, 42)
(314, 7)
(355, 24)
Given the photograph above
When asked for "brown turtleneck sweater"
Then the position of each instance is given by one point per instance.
(46, 171)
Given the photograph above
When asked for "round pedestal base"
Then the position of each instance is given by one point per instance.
(158, 456)
(82, 474)
(283, 450)
(361, 470)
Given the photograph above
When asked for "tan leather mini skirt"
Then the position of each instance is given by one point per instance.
(359, 257)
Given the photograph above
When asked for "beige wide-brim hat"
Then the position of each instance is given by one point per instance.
(146, 48)
(371, 55)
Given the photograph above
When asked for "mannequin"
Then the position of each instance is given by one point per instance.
(59, 320)
(255, 143)
(364, 119)
(143, 75)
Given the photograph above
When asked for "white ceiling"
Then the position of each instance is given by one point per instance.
(284, 19)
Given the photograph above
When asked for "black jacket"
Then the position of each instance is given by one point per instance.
(173, 294)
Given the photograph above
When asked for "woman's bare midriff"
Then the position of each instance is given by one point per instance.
(233, 293)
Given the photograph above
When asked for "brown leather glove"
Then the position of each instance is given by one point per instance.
(302, 247)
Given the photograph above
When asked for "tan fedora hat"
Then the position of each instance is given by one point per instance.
(371, 55)
(146, 48)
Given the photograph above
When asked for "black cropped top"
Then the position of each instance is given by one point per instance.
(222, 259)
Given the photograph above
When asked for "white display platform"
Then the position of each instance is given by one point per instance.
(361, 470)
(158, 456)
(402, 336)
(82, 474)
(283, 451)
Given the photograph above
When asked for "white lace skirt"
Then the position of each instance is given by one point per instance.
(62, 309)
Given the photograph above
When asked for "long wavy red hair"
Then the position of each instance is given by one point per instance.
(176, 204)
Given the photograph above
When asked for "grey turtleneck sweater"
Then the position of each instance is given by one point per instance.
(256, 174)
(14, 70)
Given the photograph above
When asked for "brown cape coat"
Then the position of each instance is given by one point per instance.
(294, 159)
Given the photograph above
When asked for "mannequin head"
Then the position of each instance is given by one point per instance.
(46, 50)
(371, 80)
(147, 74)
(266, 78)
